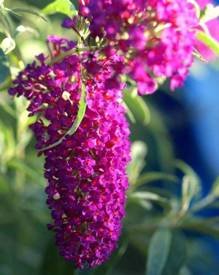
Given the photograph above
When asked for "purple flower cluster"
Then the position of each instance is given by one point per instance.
(86, 172)
(157, 37)
(150, 41)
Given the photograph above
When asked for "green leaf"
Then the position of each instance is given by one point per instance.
(7, 45)
(137, 106)
(185, 271)
(154, 177)
(209, 41)
(29, 171)
(61, 6)
(189, 191)
(167, 252)
(144, 198)
(4, 70)
(147, 196)
(54, 264)
(17, 11)
(209, 13)
(23, 29)
(190, 186)
(187, 170)
(81, 112)
(138, 154)
(129, 114)
(80, 115)
(202, 226)
(215, 188)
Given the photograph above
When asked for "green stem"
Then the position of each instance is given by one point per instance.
(203, 203)
(70, 52)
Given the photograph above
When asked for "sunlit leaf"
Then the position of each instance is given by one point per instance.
(189, 191)
(137, 106)
(80, 115)
(215, 188)
(61, 6)
(209, 41)
(190, 185)
(138, 154)
(129, 114)
(187, 170)
(154, 177)
(209, 13)
(167, 253)
(23, 29)
(19, 11)
(81, 112)
(148, 197)
(7, 45)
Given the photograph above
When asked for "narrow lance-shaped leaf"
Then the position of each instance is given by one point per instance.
(80, 115)
(188, 171)
(150, 177)
(61, 6)
(209, 13)
(7, 45)
(147, 195)
(215, 188)
(190, 185)
(209, 41)
(137, 106)
(167, 253)
(19, 11)
(138, 154)
(1, 2)
(23, 29)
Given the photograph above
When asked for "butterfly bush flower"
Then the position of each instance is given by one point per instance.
(150, 41)
(86, 172)
(157, 37)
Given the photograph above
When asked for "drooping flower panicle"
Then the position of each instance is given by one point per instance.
(150, 41)
(86, 172)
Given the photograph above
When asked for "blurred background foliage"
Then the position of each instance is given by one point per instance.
(172, 219)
